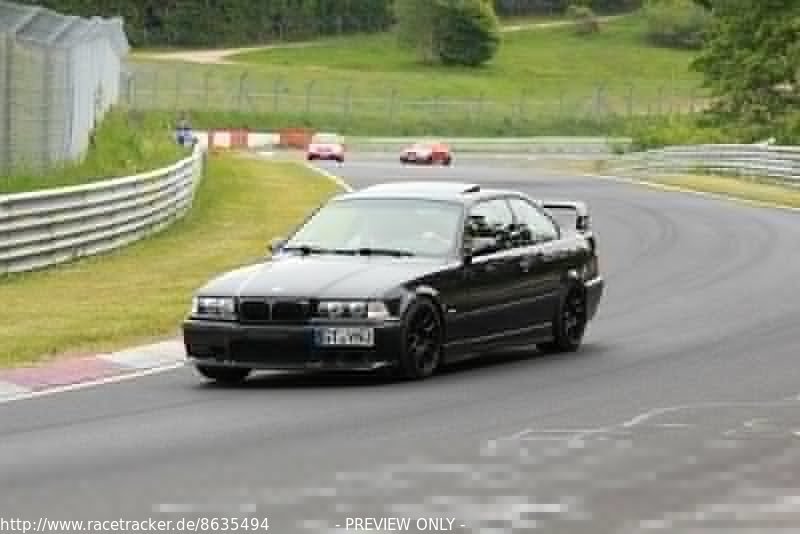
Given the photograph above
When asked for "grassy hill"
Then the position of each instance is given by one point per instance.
(543, 79)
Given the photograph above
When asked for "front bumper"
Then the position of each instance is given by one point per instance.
(282, 347)
(594, 291)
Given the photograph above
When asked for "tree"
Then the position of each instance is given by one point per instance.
(467, 32)
(752, 59)
(415, 26)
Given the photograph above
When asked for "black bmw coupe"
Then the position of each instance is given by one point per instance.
(403, 277)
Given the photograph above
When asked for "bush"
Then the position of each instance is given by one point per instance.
(676, 23)
(585, 20)
(467, 32)
(680, 130)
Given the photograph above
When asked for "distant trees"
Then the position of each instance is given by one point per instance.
(214, 22)
(416, 27)
(752, 64)
(455, 32)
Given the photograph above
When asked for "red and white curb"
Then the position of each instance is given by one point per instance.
(78, 373)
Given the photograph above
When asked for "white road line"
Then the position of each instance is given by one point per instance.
(679, 189)
(530, 434)
(100, 382)
(7, 390)
(335, 179)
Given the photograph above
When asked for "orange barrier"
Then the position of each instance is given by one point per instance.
(295, 137)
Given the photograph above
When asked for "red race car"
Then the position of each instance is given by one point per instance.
(427, 153)
(325, 146)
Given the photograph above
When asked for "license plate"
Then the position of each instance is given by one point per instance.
(345, 337)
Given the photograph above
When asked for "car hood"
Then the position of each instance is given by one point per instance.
(326, 277)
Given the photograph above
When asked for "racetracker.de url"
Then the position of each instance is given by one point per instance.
(205, 524)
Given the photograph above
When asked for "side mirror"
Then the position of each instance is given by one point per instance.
(276, 244)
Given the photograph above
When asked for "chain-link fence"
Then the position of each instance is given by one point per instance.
(249, 96)
(58, 75)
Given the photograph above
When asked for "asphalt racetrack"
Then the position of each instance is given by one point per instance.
(680, 413)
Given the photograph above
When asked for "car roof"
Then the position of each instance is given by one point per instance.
(460, 192)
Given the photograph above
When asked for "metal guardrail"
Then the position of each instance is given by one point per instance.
(769, 161)
(44, 228)
(521, 145)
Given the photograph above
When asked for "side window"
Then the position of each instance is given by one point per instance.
(488, 223)
(531, 219)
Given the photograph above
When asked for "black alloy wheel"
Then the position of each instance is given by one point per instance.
(569, 324)
(423, 337)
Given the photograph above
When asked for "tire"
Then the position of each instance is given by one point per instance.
(569, 324)
(229, 376)
(422, 340)
(447, 161)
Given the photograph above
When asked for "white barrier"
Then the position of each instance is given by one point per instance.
(47, 227)
(759, 160)
(224, 139)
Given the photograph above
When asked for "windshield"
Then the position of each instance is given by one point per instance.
(406, 226)
(326, 139)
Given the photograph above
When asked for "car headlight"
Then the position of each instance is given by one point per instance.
(219, 308)
(358, 309)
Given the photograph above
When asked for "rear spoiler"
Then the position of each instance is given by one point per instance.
(582, 222)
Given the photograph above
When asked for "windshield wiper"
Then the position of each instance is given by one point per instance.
(368, 251)
(306, 250)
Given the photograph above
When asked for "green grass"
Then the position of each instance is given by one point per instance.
(547, 78)
(125, 144)
(143, 291)
(755, 189)
(322, 39)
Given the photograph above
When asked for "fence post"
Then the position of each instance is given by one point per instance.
(178, 88)
(7, 103)
(347, 105)
(47, 108)
(207, 88)
(133, 87)
(479, 110)
(242, 89)
(630, 101)
(392, 101)
(309, 89)
(523, 104)
(276, 95)
(154, 102)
